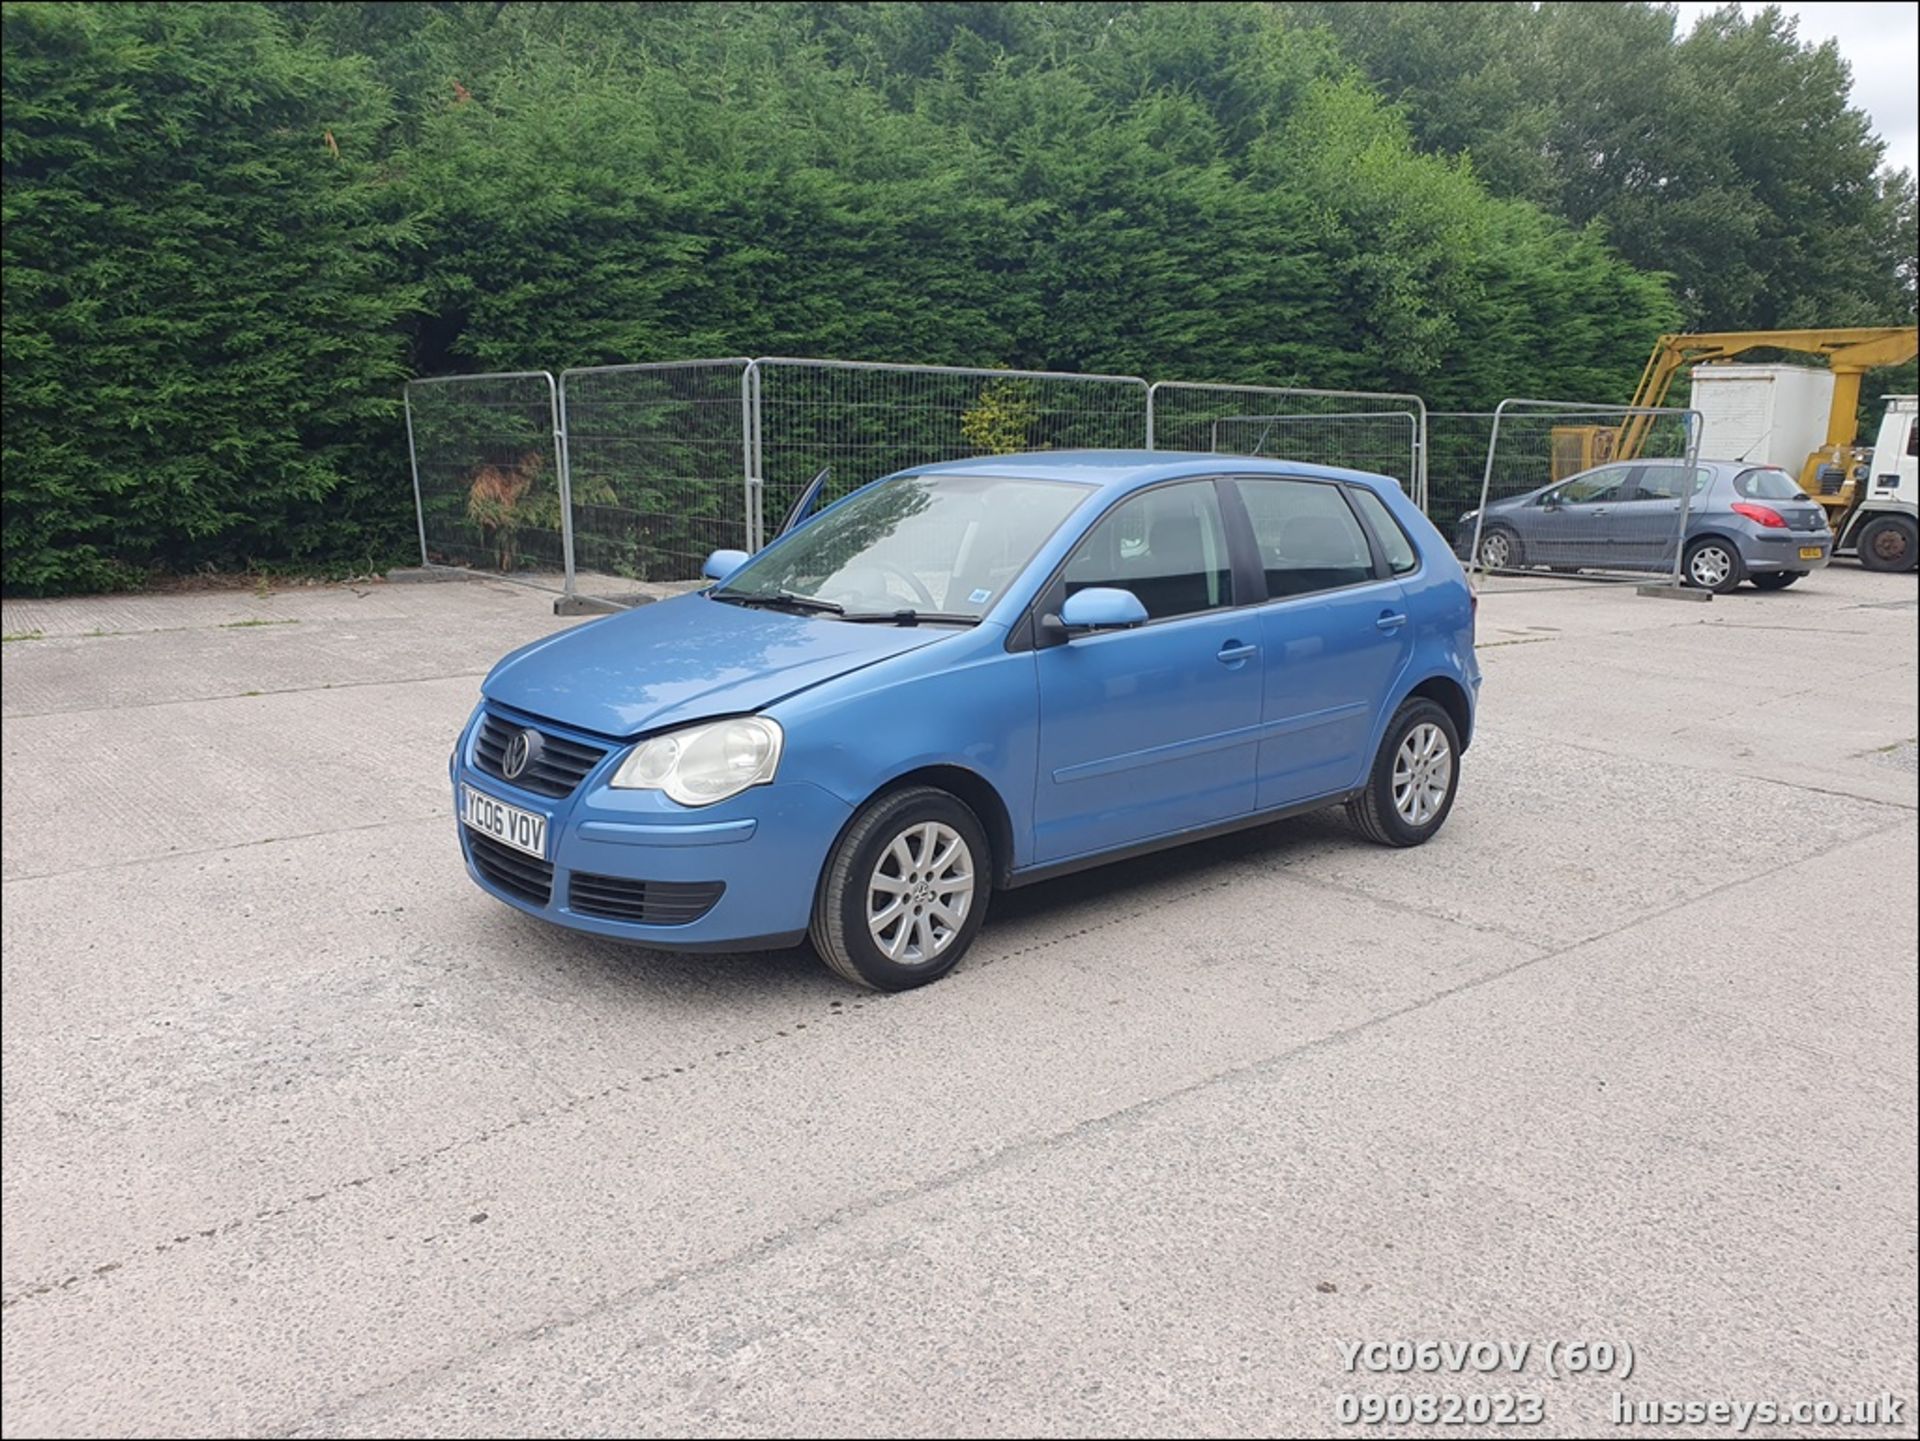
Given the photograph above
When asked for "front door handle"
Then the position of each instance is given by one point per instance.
(1598, 510)
(1232, 653)
(1390, 620)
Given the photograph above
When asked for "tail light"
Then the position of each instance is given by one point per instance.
(1760, 514)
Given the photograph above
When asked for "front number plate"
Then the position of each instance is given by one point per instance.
(509, 825)
(1809, 552)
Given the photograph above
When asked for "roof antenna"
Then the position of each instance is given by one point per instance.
(1761, 440)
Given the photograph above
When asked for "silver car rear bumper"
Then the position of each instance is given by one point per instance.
(1766, 550)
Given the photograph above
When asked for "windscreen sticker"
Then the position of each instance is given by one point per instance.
(979, 597)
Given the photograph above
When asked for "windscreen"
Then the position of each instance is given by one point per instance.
(942, 543)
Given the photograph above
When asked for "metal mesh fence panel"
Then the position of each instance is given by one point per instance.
(1378, 432)
(487, 474)
(1570, 490)
(867, 420)
(1456, 465)
(657, 469)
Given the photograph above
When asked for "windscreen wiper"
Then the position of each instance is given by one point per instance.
(909, 617)
(782, 600)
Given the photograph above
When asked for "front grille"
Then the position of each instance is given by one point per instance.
(514, 872)
(650, 903)
(557, 767)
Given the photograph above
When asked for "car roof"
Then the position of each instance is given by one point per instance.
(1698, 460)
(1705, 462)
(1129, 469)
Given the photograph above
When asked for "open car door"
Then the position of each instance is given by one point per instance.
(804, 506)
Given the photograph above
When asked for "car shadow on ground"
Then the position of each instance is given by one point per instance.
(648, 978)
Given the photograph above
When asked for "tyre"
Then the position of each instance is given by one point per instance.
(1713, 564)
(1411, 786)
(1776, 580)
(1889, 542)
(1500, 549)
(904, 892)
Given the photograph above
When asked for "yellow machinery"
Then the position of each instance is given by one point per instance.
(1849, 354)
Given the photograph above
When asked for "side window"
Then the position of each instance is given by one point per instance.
(1166, 545)
(1401, 556)
(1307, 536)
(1662, 482)
(1595, 486)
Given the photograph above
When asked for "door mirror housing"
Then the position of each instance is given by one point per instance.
(1102, 607)
(723, 563)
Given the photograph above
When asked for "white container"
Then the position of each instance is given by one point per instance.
(1765, 414)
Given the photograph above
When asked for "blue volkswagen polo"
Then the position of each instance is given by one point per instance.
(968, 677)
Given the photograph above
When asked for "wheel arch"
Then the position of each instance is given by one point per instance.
(1447, 693)
(973, 790)
(1502, 523)
(1706, 535)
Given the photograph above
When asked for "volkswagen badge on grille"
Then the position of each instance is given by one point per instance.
(519, 754)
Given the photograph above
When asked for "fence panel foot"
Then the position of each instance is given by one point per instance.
(425, 574)
(596, 605)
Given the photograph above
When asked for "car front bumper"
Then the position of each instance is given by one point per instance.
(762, 849)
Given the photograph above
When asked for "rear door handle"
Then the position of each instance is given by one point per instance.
(1390, 620)
(1233, 651)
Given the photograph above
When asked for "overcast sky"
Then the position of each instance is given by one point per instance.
(1882, 43)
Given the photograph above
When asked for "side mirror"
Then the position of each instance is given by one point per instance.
(723, 563)
(1550, 501)
(1102, 607)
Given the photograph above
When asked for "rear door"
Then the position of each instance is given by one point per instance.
(1646, 525)
(1334, 630)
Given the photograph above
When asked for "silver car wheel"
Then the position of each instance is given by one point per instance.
(1710, 567)
(1495, 551)
(1422, 774)
(920, 892)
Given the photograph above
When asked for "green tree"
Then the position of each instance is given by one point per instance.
(201, 354)
(231, 230)
(1730, 158)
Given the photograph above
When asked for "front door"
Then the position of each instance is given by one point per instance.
(1148, 731)
(1573, 525)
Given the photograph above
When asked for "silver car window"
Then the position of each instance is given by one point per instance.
(1767, 483)
(1662, 482)
(1595, 485)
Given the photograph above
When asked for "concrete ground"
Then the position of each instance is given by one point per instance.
(304, 1135)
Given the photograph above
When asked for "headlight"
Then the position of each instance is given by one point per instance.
(700, 764)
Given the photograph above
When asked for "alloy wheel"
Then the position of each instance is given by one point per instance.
(1422, 774)
(920, 892)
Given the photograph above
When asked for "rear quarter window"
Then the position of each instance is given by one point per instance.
(1768, 484)
(1401, 556)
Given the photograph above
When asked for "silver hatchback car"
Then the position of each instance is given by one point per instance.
(1744, 522)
